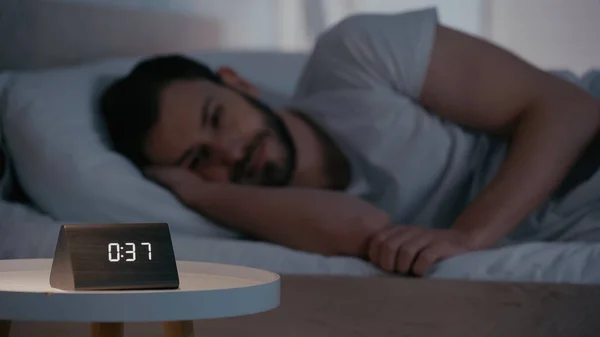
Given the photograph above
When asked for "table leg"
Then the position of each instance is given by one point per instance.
(178, 329)
(4, 328)
(107, 329)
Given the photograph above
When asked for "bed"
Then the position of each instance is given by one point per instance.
(48, 82)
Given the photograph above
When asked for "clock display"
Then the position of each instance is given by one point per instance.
(115, 257)
(116, 253)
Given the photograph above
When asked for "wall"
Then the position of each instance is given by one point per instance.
(292, 25)
(465, 15)
(549, 33)
(41, 33)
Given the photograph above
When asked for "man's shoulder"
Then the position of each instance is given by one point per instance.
(345, 30)
(332, 64)
(370, 51)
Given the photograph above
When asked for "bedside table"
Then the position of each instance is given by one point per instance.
(322, 306)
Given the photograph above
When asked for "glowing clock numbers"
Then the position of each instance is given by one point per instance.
(116, 252)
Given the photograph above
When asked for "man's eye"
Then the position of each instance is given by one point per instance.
(215, 119)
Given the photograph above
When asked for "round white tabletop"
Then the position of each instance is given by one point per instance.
(206, 290)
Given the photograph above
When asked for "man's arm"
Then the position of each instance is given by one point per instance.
(548, 120)
(319, 221)
(472, 83)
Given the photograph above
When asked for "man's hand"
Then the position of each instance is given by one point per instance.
(406, 249)
(183, 183)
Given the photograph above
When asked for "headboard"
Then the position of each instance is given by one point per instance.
(42, 33)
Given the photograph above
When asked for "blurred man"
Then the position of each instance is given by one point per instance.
(406, 142)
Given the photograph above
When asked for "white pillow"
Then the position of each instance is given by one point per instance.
(56, 141)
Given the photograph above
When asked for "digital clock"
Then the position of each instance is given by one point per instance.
(116, 253)
(114, 257)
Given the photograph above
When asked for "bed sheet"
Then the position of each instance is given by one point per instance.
(26, 233)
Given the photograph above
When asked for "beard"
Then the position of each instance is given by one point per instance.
(274, 175)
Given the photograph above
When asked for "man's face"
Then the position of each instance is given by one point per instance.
(221, 134)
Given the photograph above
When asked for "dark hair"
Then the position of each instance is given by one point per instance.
(130, 105)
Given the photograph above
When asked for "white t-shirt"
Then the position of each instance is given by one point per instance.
(362, 85)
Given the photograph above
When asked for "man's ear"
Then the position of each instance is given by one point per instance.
(234, 80)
